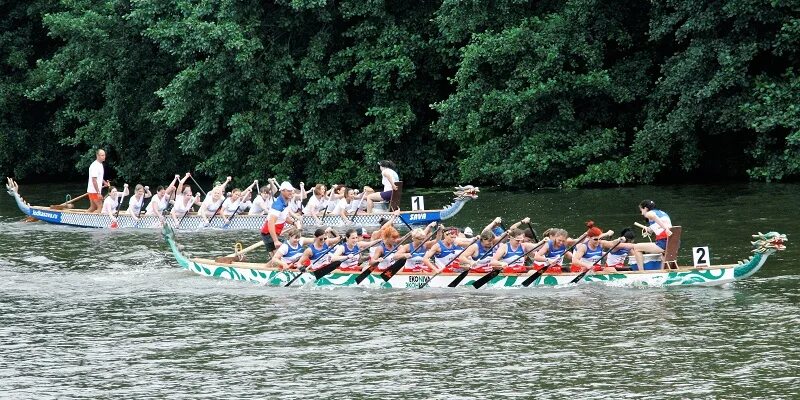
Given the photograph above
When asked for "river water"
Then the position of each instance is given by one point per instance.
(98, 314)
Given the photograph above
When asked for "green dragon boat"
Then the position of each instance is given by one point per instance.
(764, 245)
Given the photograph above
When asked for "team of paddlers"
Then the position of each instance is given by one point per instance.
(436, 249)
(432, 249)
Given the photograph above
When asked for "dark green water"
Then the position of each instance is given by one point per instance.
(98, 314)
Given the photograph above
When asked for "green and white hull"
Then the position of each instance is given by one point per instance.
(256, 273)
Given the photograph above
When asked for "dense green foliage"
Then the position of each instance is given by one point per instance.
(506, 92)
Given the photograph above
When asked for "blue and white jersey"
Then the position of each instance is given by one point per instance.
(555, 255)
(656, 228)
(352, 255)
(484, 256)
(417, 254)
(446, 254)
(617, 257)
(319, 257)
(592, 256)
(280, 209)
(514, 255)
(290, 254)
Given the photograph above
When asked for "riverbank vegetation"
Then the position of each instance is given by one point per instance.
(508, 92)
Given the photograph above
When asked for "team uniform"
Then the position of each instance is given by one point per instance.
(351, 262)
(554, 256)
(279, 209)
(160, 202)
(290, 254)
(110, 204)
(447, 257)
(616, 258)
(515, 256)
(230, 207)
(135, 206)
(661, 233)
(181, 207)
(414, 263)
(261, 205)
(210, 205)
(482, 259)
(319, 257)
(388, 259)
(590, 256)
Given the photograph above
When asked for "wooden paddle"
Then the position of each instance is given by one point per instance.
(198, 186)
(68, 203)
(582, 274)
(394, 268)
(488, 277)
(365, 273)
(454, 258)
(464, 273)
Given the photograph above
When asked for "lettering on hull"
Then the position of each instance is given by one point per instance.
(46, 216)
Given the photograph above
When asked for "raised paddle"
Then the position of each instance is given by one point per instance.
(68, 203)
(582, 274)
(198, 186)
(365, 273)
(454, 258)
(394, 268)
(224, 197)
(488, 277)
(464, 273)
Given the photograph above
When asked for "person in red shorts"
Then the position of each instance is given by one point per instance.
(96, 182)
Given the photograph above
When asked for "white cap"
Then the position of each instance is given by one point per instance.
(468, 231)
(286, 186)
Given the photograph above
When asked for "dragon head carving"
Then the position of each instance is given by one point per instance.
(11, 186)
(466, 193)
(769, 241)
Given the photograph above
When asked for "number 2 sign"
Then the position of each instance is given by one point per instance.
(701, 256)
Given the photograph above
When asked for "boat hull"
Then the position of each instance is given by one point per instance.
(254, 273)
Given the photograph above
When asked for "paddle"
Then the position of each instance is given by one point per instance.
(464, 273)
(198, 186)
(332, 266)
(68, 202)
(143, 209)
(488, 277)
(365, 273)
(533, 232)
(582, 274)
(224, 197)
(454, 258)
(357, 207)
(114, 223)
(227, 224)
(394, 268)
(187, 213)
(527, 282)
(317, 273)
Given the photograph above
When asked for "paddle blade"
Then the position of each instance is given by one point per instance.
(365, 273)
(579, 277)
(326, 269)
(301, 272)
(393, 269)
(534, 276)
(459, 278)
(486, 278)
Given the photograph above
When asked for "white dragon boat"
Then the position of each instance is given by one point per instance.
(764, 245)
(194, 222)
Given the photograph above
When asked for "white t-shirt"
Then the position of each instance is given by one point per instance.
(229, 207)
(135, 206)
(260, 206)
(315, 205)
(95, 171)
(180, 206)
(387, 186)
(210, 205)
(110, 204)
(348, 208)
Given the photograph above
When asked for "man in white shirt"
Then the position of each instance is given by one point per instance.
(96, 182)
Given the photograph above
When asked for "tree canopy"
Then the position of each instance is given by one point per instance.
(504, 92)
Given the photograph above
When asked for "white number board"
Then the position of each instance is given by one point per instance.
(417, 203)
(701, 256)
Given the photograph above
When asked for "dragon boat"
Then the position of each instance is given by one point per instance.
(765, 244)
(194, 222)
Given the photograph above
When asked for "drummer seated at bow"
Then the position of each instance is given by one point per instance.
(318, 253)
(658, 223)
(414, 252)
(287, 254)
(588, 254)
(349, 252)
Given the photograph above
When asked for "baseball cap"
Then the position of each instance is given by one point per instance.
(286, 186)
(468, 232)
